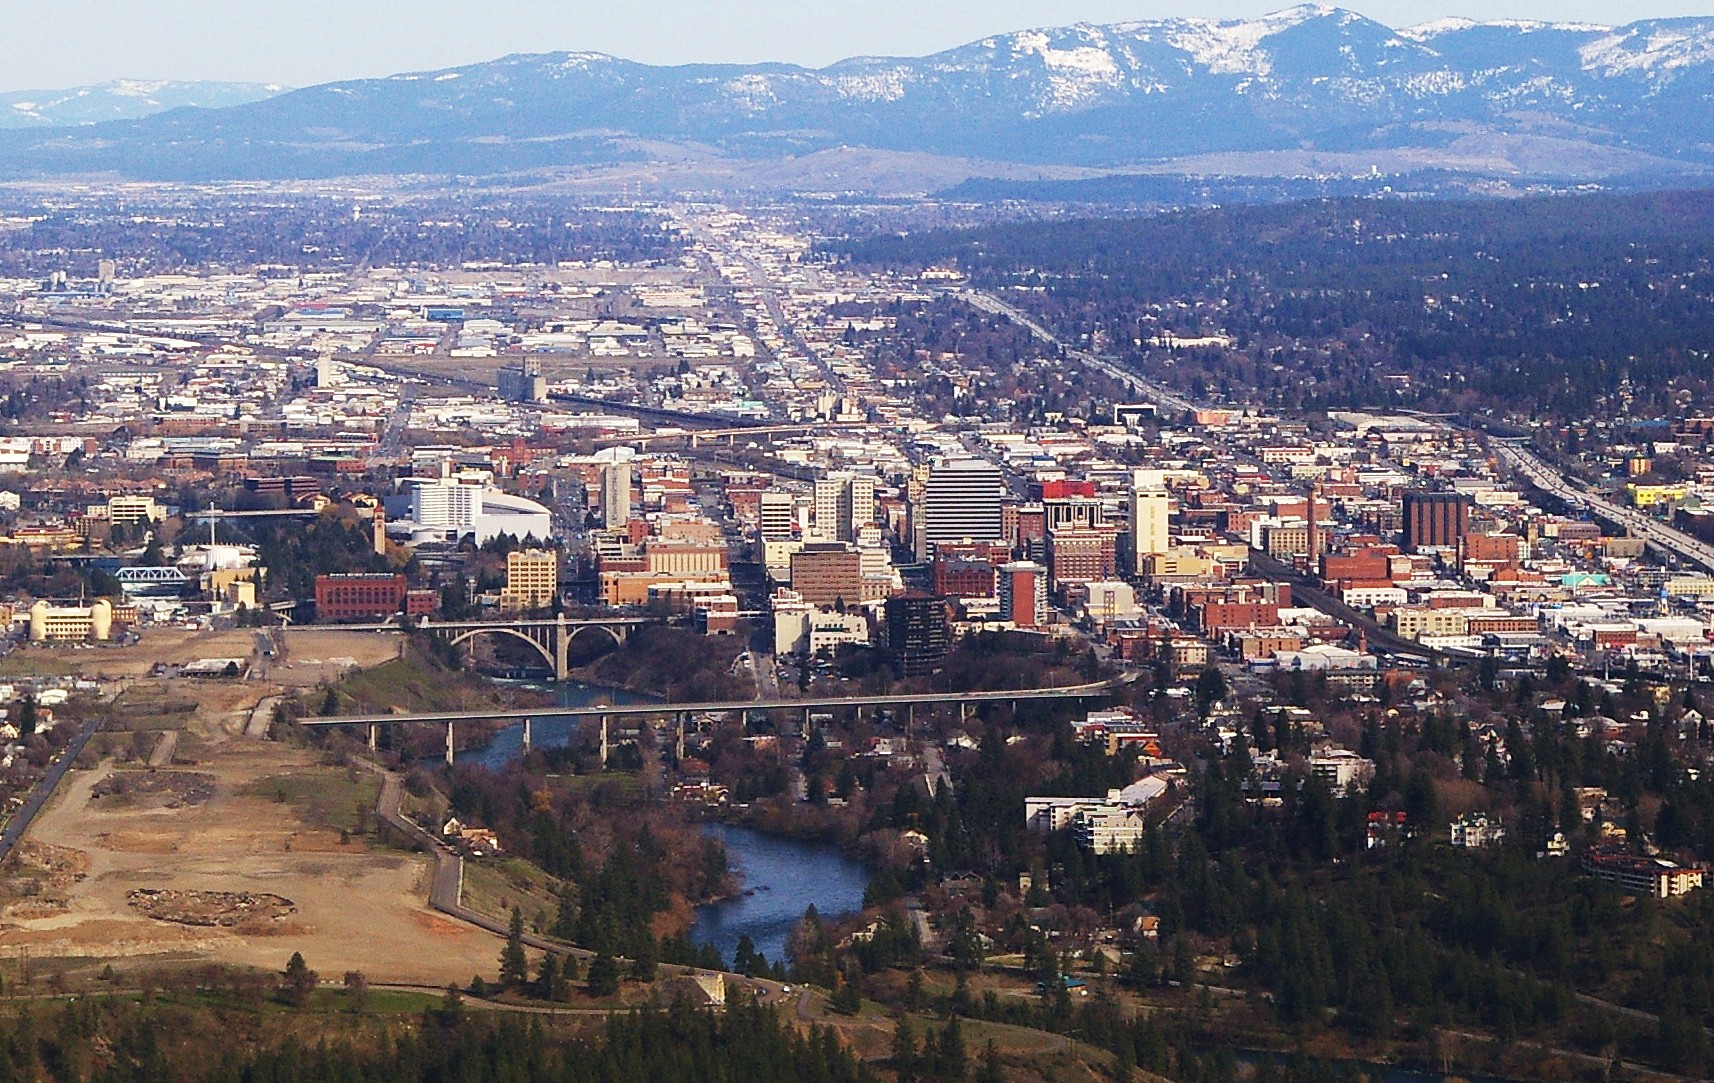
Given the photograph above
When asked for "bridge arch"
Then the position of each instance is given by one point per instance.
(547, 653)
(616, 634)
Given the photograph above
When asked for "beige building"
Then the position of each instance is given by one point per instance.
(1150, 512)
(71, 624)
(1415, 622)
(134, 509)
(532, 579)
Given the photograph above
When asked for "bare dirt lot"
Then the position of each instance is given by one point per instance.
(311, 655)
(353, 905)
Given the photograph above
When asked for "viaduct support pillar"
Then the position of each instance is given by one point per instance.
(374, 739)
(527, 734)
(561, 649)
(449, 744)
(604, 742)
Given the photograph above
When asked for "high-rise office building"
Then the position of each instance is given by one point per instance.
(917, 632)
(1435, 520)
(1023, 593)
(960, 501)
(777, 515)
(1150, 512)
(828, 574)
(844, 504)
(616, 495)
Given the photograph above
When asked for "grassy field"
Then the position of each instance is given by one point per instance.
(36, 663)
(414, 683)
(339, 798)
(628, 784)
(494, 887)
(150, 706)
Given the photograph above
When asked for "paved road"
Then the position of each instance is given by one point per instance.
(44, 789)
(1148, 389)
(261, 717)
(1552, 481)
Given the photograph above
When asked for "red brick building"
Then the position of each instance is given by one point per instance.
(359, 596)
(961, 578)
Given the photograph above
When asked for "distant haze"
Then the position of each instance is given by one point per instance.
(301, 42)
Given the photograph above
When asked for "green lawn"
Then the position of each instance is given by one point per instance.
(339, 798)
(494, 887)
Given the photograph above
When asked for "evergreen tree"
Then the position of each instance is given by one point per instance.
(514, 966)
(547, 985)
(300, 980)
(603, 978)
(906, 1055)
(645, 966)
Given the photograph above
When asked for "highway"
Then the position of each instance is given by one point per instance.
(1147, 389)
(1075, 691)
(1551, 481)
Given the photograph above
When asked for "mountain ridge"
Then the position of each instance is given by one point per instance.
(122, 99)
(1311, 78)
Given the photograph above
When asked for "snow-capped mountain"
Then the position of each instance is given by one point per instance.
(1562, 100)
(122, 99)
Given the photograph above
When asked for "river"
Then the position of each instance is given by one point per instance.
(508, 744)
(779, 879)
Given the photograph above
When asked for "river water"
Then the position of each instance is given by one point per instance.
(779, 879)
(508, 744)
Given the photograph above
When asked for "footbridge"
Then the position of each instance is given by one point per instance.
(680, 713)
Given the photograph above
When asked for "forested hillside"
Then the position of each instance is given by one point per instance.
(1542, 304)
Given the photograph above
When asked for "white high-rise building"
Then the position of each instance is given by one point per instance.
(1150, 512)
(960, 501)
(447, 503)
(615, 495)
(777, 514)
(844, 504)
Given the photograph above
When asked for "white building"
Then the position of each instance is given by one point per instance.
(1046, 814)
(961, 500)
(1150, 512)
(615, 495)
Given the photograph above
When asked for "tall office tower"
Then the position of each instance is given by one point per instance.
(1435, 520)
(917, 632)
(1023, 593)
(615, 495)
(777, 515)
(844, 504)
(961, 501)
(858, 510)
(1150, 509)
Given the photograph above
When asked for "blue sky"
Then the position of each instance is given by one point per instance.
(298, 42)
